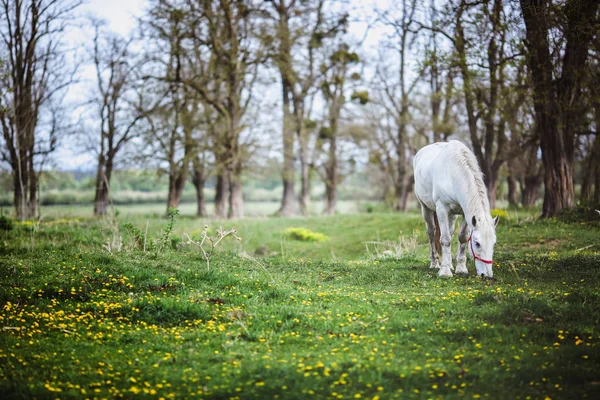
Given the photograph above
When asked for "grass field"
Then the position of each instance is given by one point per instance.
(323, 319)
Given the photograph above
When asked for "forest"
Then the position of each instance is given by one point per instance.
(217, 94)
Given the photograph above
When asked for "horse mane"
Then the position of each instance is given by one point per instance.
(478, 202)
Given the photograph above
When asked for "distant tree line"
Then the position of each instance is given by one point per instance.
(517, 81)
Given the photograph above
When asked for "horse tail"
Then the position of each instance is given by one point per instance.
(438, 244)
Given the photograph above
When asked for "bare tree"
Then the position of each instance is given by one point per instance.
(439, 69)
(118, 105)
(395, 88)
(334, 85)
(228, 29)
(482, 99)
(170, 139)
(302, 30)
(189, 50)
(31, 33)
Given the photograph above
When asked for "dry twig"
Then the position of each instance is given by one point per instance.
(213, 241)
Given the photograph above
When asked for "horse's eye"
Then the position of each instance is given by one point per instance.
(477, 244)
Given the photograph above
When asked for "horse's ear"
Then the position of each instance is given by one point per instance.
(496, 220)
(474, 221)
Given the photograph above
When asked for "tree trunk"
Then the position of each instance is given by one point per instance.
(408, 185)
(597, 153)
(513, 196)
(223, 187)
(558, 163)
(491, 183)
(529, 189)
(400, 185)
(330, 199)
(558, 174)
(435, 115)
(435, 100)
(236, 199)
(20, 200)
(331, 177)
(101, 197)
(200, 201)
(222, 194)
(304, 176)
(593, 166)
(33, 203)
(198, 179)
(597, 184)
(589, 168)
(492, 187)
(289, 204)
(288, 201)
(176, 185)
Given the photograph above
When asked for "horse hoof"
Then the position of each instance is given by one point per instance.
(462, 274)
(445, 273)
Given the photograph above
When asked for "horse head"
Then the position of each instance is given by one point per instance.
(481, 244)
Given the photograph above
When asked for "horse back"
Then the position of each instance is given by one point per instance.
(434, 173)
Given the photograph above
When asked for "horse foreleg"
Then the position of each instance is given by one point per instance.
(452, 227)
(429, 217)
(445, 240)
(461, 257)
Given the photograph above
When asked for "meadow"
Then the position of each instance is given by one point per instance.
(87, 311)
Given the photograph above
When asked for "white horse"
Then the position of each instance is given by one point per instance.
(449, 183)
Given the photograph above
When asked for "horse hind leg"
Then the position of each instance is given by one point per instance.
(461, 256)
(431, 223)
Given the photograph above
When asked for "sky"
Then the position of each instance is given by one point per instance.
(120, 14)
(121, 17)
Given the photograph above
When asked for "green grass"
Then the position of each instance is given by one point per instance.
(311, 319)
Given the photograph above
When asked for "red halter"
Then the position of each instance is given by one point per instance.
(473, 253)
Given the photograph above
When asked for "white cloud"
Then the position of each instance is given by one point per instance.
(120, 14)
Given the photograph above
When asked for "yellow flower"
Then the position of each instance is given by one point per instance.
(135, 389)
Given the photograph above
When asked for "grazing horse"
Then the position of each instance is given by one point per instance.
(449, 183)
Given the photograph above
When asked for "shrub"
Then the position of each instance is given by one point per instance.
(305, 235)
(496, 212)
(584, 212)
(5, 223)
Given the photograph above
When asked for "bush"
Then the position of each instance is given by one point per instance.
(5, 223)
(496, 212)
(584, 212)
(305, 235)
